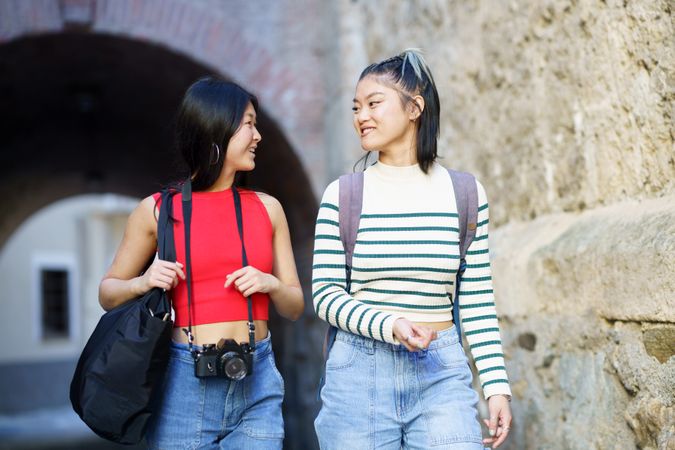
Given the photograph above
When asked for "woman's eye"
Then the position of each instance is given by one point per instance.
(355, 109)
(373, 104)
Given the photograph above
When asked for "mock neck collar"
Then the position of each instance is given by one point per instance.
(401, 173)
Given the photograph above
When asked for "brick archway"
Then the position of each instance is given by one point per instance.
(224, 44)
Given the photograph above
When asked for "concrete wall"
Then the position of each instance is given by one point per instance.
(563, 109)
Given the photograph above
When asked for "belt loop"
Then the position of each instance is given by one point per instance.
(369, 345)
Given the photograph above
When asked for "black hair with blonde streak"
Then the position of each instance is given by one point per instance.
(409, 74)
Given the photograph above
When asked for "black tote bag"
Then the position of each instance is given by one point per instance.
(126, 356)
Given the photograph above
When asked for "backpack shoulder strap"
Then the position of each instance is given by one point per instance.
(350, 204)
(466, 197)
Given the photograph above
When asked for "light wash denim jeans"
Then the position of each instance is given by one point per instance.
(380, 396)
(216, 413)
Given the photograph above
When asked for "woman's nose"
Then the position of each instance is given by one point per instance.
(362, 115)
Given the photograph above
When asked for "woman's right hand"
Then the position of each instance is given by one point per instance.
(161, 274)
(412, 336)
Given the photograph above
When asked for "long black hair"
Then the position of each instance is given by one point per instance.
(209, 115)
(409, 74)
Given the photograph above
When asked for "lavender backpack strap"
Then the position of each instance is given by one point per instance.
(351, 201)
(349, 213)
(466, 197)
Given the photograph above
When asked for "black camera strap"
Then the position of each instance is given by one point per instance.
(187, 219)
(244, 259)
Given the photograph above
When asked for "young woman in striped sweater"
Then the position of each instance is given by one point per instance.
(397, 376)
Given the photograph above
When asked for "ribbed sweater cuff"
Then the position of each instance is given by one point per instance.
(496, 388)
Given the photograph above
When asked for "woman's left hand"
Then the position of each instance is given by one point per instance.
(250, 280)
(499, 423)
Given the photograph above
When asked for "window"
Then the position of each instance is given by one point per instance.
(55, 304)
(55, 297)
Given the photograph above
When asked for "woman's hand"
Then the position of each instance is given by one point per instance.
(250, 280)
(499, 423)
(412, 336)
(161, 274)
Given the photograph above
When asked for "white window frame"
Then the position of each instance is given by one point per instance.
(65, 261)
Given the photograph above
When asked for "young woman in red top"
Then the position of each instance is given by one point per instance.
(217, 137)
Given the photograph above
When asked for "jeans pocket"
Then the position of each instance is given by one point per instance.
(276, 373)
(449, 356)
(263, 396)
(341, 356)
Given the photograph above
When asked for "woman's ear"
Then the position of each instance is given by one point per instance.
(416, 107)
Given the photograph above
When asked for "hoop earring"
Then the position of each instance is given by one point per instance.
(217, 154)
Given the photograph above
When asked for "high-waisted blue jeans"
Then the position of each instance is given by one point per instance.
(380, 396)
(216, 413)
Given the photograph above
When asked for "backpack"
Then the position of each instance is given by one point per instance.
(125, 358)
(350, 203)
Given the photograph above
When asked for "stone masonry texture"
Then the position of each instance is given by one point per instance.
(564, 110)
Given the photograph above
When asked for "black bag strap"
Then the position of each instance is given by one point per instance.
(166, 249)
(187, 219)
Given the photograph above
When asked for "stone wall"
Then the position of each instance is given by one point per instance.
(564, 110)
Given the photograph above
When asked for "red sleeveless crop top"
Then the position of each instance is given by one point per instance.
(216, 252)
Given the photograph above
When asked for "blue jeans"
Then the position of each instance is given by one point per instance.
(216, 413)
(380, 396)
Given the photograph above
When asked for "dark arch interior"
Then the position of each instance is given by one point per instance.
(96, 111)
(83, 113)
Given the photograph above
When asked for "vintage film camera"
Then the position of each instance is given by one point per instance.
(225, 359)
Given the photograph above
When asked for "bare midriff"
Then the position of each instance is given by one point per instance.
(438, 326)
(211, 333)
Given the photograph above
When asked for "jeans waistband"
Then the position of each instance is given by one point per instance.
(445, 338)
(181, 350)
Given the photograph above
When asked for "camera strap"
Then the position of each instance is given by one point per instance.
(187, 219)
(240, 227)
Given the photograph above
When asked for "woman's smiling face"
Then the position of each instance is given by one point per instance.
(241, 149)
(380, 119)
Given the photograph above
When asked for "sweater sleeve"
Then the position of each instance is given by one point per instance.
(477, 309)
(332, 302)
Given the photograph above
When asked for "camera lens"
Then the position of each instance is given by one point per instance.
(233, 366)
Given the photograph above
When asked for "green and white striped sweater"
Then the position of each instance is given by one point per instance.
(405, 264)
